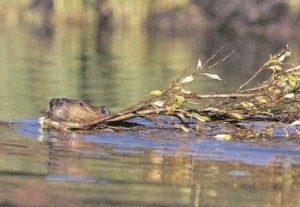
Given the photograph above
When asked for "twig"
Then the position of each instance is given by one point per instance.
(248, 81)
(223, 59)
(212, 57)
(231, 95)
(275, 99)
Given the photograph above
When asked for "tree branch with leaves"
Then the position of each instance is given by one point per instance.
(275, 100)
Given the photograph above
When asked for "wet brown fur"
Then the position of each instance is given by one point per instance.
(71, 110)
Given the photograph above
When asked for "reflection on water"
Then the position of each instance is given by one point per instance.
(113, 67)
(143, 169)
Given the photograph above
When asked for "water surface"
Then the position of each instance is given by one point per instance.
(52, 168)
(148, 168)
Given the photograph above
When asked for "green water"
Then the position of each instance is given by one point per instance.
(151, 168)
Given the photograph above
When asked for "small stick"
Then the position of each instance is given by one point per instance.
(248, 81)
(223, 59)
(231, 95)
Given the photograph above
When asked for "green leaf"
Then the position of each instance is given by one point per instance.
(212, 76)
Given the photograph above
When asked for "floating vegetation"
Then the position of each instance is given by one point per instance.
(271, 108)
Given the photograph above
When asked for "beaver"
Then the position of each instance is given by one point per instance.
(71, 110)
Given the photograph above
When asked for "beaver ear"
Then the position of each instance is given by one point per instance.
(105, 110)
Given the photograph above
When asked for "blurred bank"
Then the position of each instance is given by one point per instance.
(134, 13)
(115, 52)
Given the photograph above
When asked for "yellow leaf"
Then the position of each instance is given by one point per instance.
(198, 128)
(237, 115)
(156, 93)
(185, 91)
(293, 80)
(281, 81)
(262, 99)
(292, 83)
(179, 98)
(275, 67)
(293, 76)
(170, 109)
(284, 55)
(277, 91)
(199, 117)
(247, 105)
(212, 109)
(223, 137)
(184, 128)
(281, 58)
(274, 90)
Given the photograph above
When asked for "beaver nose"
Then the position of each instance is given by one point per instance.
(105, 110)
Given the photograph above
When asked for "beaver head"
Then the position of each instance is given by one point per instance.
(70, 110)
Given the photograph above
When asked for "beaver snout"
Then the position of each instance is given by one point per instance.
(105, 110)
(70, 110)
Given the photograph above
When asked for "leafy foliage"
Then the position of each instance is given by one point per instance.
(274, 104)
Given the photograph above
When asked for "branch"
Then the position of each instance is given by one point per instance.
(230, 95)
(275, 100)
